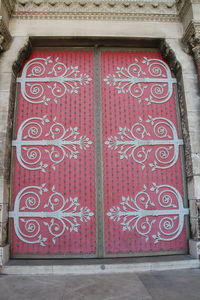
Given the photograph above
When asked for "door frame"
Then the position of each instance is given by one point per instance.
(96, 43)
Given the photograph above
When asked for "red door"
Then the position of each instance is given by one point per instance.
(61, 151)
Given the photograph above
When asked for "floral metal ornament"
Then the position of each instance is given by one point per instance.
(146, 79)
(156, 214)
(137, 142)
(44, 79)
(37, 137)
(57, 214)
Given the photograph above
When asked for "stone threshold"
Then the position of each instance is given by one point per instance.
(98, 266)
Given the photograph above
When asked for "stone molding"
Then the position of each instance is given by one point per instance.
(9, 6)
(198, 221)
(182, 7)
(4, 255)
(3, 233)
(159, 10)
(170, 56)
(194, 248)
(6, 9)
(5, 36)
(195, 219)
(23, 54)
(192, 39)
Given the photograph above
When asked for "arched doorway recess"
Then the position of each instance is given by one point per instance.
(98, 166)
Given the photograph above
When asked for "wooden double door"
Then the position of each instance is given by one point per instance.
(97, 156)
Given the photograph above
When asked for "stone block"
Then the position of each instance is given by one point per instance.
(194, 139)
(186, 60)
(195, 227)
(3, 233)
(3, 212)
(194, 120)
(194, 188)
(1, 190)
(194, 247)
(8, 58)
(5, 99)
(4, 191)
(191, 86)
(196, 163)
(4, 255)
(193, 208)
(5, 81)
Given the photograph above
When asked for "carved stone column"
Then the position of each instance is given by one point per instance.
(188, 14)
(195, 44)
(191, 40)
(6, 9)
(10, 64)
(195, 227)
(5, 37)
(191, 158)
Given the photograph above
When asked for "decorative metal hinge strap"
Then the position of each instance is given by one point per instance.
(131, 142)
(157, 214)
(149, 80)
(44, 79)
(31, 147)
(60, 214)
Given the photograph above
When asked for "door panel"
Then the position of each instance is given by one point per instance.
(143, 184)
(53, 188)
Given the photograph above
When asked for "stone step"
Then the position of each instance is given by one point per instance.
(98, 266)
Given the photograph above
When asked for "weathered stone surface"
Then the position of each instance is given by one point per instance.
(171, 285)
(161, 10)
(6, 9)
(195, 220)
(3, 233)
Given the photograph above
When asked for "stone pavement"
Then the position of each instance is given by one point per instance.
(163, 285)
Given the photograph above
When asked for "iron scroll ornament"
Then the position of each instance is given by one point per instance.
(156, 214)
(34, 141)
(57, 213)
(44, 79)
(148, 80)
(139, 141)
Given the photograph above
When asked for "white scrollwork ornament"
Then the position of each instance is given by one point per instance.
(60, 215)
(155, 80)
(34, 141)
(160, 219)
(132, 143)
(44, 79)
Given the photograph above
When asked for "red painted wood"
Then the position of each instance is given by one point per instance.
(72, 177)
(125, 177)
